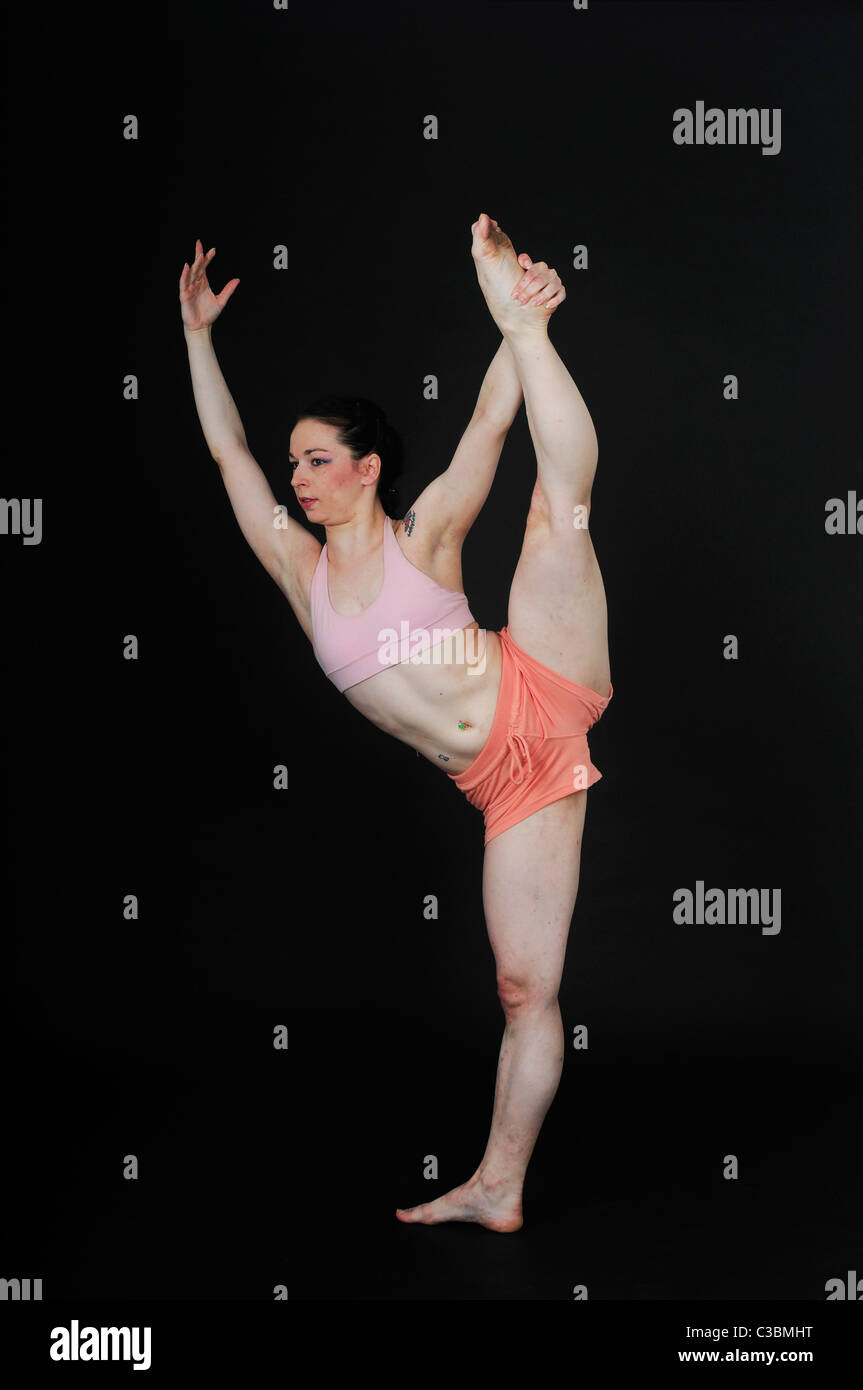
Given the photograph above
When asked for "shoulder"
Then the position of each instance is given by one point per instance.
(436, 553)
(423, 532)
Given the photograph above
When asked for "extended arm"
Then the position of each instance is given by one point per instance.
(467, 481)
(278, 547)
(250, 494)
(456, 496)
(452, 502)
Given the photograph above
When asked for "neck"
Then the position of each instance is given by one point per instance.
(363, 533)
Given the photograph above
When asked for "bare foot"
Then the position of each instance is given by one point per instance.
(497, 1208)
(498, 271)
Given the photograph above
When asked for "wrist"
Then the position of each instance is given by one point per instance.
(197, 332)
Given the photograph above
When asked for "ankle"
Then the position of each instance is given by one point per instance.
(497, 1184)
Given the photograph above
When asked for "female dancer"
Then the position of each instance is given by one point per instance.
(506, 713)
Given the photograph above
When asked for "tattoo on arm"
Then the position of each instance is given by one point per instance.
(410, 522)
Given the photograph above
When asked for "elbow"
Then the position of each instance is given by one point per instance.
(227, 449)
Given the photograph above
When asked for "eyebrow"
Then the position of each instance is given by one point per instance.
(318, 450)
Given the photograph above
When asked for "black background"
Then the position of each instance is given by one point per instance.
(305, 907)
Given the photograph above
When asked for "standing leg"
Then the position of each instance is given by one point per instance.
(530, 881)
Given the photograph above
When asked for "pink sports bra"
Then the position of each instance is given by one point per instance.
(412, 613)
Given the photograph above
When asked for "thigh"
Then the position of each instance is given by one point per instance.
(557, 608)
(530, 882)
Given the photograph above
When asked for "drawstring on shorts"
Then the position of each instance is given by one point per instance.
(516, 741)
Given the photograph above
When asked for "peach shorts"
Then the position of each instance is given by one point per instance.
(537, 749)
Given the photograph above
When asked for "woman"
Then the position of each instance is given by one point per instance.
(506, 713)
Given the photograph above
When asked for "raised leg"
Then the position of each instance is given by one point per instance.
(530, 881)
(557, 607)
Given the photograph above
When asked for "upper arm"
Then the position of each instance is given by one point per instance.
(284, 547)
(453, 500)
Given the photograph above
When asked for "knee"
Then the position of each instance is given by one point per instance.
(522, 993)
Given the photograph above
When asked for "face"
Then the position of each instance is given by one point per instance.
(328, 483)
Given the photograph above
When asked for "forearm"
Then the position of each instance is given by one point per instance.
(217, 412)
(501, 393)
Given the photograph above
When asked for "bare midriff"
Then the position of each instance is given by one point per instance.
(442, 704)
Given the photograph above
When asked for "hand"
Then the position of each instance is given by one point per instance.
(198, 305)
(539, 287)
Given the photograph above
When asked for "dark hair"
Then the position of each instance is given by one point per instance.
(363, 429)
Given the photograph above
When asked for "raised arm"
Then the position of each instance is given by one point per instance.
(284, 548)
(452, 501)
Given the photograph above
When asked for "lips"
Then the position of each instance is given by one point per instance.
(306, 501)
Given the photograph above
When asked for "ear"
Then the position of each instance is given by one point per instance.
(371, 468)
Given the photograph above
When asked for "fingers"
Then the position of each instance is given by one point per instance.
(556, 299)
(222, 299)
(543, 295)
(191, 274)
(538, 286)
(535, 278)
(201, 261)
